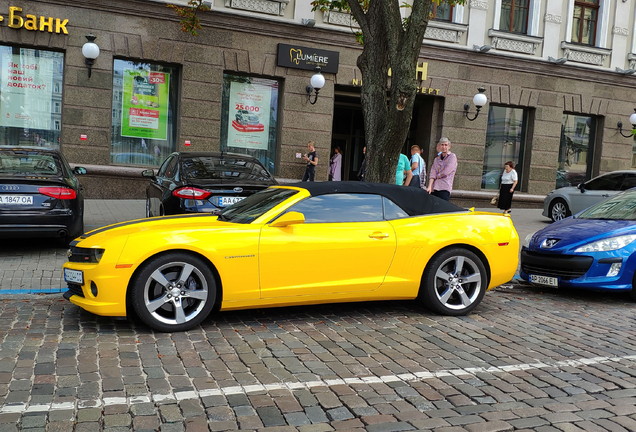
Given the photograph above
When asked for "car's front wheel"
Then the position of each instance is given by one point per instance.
(173, 292)
(454, 282)
(558, 210)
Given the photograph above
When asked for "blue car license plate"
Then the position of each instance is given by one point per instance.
(227, 201)
(544, 280)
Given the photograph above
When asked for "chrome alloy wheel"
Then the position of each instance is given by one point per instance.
(458, 283)
(559, 211)
(175, 293)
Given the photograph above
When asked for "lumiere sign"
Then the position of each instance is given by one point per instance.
(420, 68)
(297, 57)
(31, 22)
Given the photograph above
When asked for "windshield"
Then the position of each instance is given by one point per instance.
(255, 206)
(225, 167)
(29, 162)
(619, 207)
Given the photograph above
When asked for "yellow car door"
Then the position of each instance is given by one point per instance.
(343, 246)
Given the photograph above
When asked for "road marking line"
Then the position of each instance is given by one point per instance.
(258, 388)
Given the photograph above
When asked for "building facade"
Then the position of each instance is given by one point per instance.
(559, 76)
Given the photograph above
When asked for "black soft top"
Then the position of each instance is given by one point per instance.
(414, 201)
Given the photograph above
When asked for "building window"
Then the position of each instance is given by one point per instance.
(441, 11)
(249, 117)
(144, 132)
(575, 150)
(514, 16)
(57, 107)
(584, 22)
(505, 141)
(56, 125)
(27, 96)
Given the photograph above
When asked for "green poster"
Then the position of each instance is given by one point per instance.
(145, 104)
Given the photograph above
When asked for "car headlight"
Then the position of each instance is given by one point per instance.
(610, 244)
(526, 242)
(84, 255)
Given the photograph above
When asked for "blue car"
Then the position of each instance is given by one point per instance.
(593, 249)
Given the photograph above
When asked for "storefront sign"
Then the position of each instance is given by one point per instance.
(421, 74)
(297, 57)
(249, 112)
(33, 22)
(27, 81)
(145, 104)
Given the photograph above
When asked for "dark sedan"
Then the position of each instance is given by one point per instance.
(203, 182)
(39, 194)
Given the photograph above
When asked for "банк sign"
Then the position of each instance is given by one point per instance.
(297, 57)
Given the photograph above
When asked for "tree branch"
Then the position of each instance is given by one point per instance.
(360, 15)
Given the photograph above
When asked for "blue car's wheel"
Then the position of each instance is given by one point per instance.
(454, 282)
(173, 292)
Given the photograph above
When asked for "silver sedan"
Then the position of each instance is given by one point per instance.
(566, 201)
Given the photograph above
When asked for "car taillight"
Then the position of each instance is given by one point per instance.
(58, 192)
(191, 193)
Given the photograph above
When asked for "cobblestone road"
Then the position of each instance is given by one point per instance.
(526, 359)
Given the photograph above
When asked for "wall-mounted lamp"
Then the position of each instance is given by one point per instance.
(316, 83)
(90, 51)
(479, 101)
(483, 48)
(632, 120)
(558, 61)
(625, 71)
(308, 22)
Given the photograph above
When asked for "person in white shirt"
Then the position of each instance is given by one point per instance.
(509, 180)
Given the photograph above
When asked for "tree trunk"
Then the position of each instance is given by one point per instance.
(388, 113)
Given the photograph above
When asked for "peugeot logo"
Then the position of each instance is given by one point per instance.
(238, 190)
(549, 243)
(10, 187)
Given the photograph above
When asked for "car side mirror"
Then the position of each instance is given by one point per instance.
(148, 174)
(79, 170)
(291, 218)
(581, 187)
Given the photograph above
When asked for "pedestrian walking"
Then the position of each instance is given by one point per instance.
(363, 164)
(312, 160)
(418, 167)
(403, 174)
(509, 181)
(335, 165)
(440, 181)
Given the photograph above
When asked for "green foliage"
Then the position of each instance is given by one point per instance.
(188, 14)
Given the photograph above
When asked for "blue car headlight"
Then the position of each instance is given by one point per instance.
(609, 244)
(526, 242)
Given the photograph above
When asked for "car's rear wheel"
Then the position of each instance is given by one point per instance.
(454, 282)
(173, 292)
(558, 210)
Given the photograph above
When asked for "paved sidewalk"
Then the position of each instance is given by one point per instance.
(34, 266)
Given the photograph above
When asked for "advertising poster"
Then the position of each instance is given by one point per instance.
(27, 87)
(248, 125)
(145, 104)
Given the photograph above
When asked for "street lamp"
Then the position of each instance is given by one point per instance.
(479, 101)
(632, 120)
(316, 83)
(90, 51)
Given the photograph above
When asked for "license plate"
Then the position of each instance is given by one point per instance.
(544, 280)
(16, 199)
(226, 201)
(74, 276)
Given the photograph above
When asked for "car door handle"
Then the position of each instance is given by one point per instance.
(378, 235)
(605, 195)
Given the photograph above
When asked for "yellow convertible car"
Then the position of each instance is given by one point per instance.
(299, 244)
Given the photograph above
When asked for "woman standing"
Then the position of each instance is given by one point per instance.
(509, 180)
(335, 165)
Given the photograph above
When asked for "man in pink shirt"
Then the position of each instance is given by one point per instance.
(440, 181)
